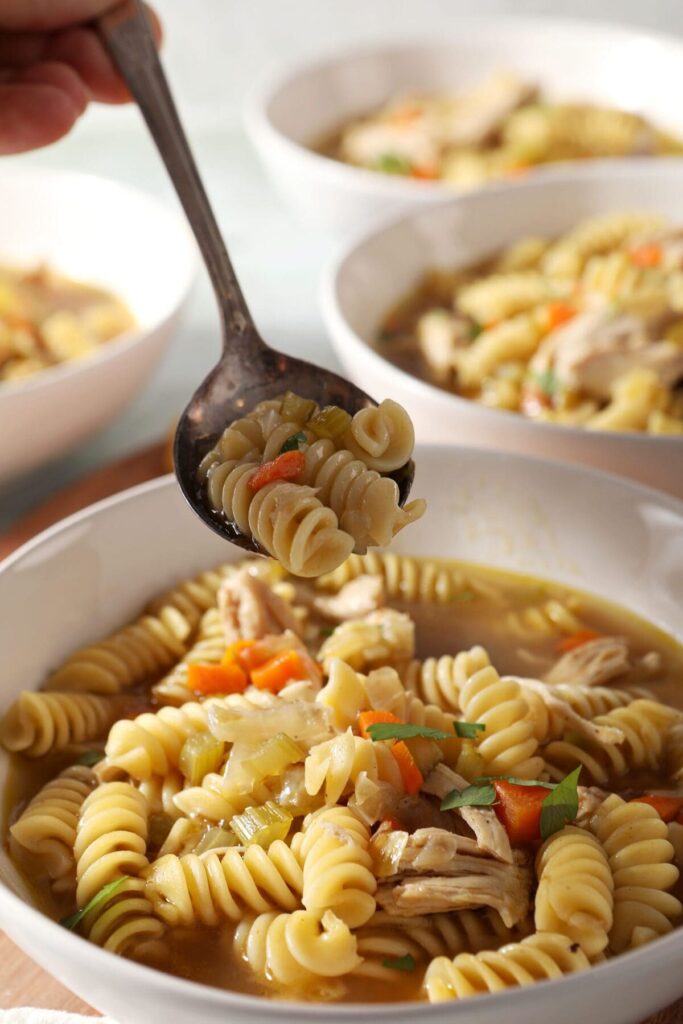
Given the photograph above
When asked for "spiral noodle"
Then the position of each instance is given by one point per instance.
(640, 855)
(575, 889)
(644, 724)
(365, 503)
(214, 801)
(192, 598)
(499, 296)
(595, 236)
(334, 765)
(384, 637)
(674, 751)
(47, 828)
(507, 744)
(192, 890)
(208, 649)
(591, 701)
(409, 579)
(292, 949)
(130, 656)
(150, 744)
(160, 792)
(123, 921)
(383, 437)
(536, 958)
(337, 866)
(545, 619)
(435, 681)
(111, 838)
(42, 723)
(293, 525)
(615, 276)
(387, 937)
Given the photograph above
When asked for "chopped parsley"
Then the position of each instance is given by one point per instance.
(401, 963)
(99, 898)
(468, 730)
(293, 443)
(393, 163)
(561, 805)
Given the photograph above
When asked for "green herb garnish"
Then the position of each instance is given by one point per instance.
(90, 757)
(472, 796)
(474, 329)
(463, 595)
(100, 897)
(468, 730)
(401, 963)
(327, 630)
(404, 731)
(547, 382)
(293, 443)
(515, 782)
(393, 163)
(561, 805)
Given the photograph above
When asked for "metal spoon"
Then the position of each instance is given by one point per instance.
(248, 371)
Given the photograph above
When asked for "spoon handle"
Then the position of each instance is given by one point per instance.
(126, 33)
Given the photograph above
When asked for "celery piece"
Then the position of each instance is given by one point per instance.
(426, 753)
(296, 409)
(272, 757)
(470, 763)
(201, 753)
(215, 839)
(261, 825)
(331, 422)
(290, 792)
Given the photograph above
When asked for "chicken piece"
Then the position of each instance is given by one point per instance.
(250, 610)
(592, 664)
(370, 143)
(434, 870)
(439, 332)
(359, 597)
(592, 351)
(478, 114)
(590, 798)
(490, 835)
(560, 715)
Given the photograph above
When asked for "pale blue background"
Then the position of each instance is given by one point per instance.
(215, 51)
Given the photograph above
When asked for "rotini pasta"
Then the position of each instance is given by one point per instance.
(111, 838)
(337, 867)
(42, 723)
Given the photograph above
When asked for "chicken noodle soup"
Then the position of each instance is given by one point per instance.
(47, 319)
(500, 127)
(311, 485)
(585, 329)
(405, 780)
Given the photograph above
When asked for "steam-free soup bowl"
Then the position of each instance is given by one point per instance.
(100, 232)
(94, 571)
(619, 67)
(374, 272)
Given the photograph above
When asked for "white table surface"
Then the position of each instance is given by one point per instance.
(215, 50)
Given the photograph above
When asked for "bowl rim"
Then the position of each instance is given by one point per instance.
(137, 334)
(337, 323)
(85, 952)
(259, 100)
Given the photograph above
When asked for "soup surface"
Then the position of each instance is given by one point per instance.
(584, 330)
(326, 791)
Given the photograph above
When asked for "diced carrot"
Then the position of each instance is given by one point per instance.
(367, 718)
(287, 466)
(411, 776)
(394, 824)
(578, 639)
(207, 679)
(234, 651)
(519, 170)
(667, 807)
(649, 255)
(405, 114)
(519, 810)
(424, 173)
(558, 313)
(278, 671)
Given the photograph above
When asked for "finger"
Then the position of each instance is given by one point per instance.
(83, 51)
(48, 15)
(39, 106)
(20, 49)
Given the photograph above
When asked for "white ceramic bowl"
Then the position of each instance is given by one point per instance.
(372, 274)
(104, 233)
(92, 573)
(570, 59)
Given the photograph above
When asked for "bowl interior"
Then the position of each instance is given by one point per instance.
(318, 98)
(98, 232)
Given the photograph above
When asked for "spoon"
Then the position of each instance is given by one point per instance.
(249, 371)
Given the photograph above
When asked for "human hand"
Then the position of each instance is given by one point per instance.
(51, 65)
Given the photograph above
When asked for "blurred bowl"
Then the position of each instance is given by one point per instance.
(374, 273)
(92, 573)
(103, 233)
(571, 60)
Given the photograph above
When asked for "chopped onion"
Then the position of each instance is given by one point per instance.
(304, 722)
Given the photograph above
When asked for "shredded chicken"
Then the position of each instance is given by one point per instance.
(592, 664)
(250, 610)
(359, 597)
(479, 113)
(490, 835)
(597, 347)
(590, 798)
(433, 871)
(562, 714)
